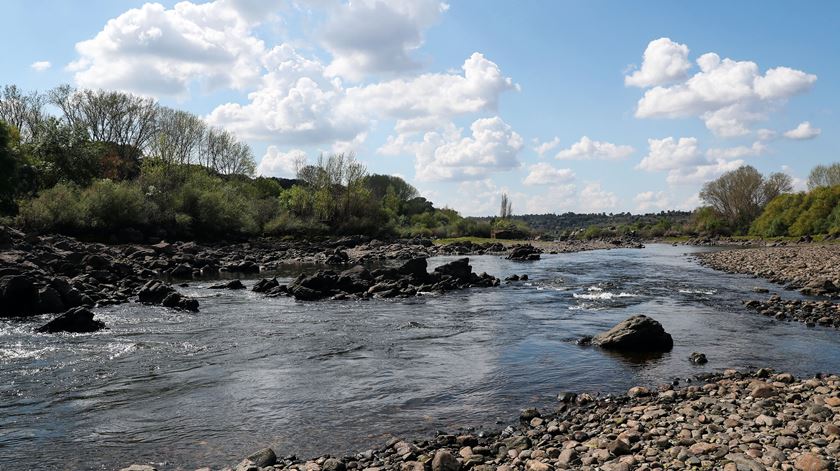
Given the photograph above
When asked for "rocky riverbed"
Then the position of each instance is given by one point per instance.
(42, 274)
(732, 421)
(812, 269)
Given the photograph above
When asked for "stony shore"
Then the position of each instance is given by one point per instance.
(732, 421)
(42, 274)
(812, 269)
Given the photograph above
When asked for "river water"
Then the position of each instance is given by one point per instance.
(185, 390)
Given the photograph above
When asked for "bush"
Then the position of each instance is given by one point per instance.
(57, 209)
(109, 206)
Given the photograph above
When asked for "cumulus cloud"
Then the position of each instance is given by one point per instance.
(276, 163)
(41, 66)
(664, 61)
(670, 154)
(557, 199)
(728, 95)
(160, 51)
(595, 199)
(492, 146)
(757, 148)
(702, 173)
(373, 36)
(587, 149)
(545, 174)
(649, 200)
(686, 164)
(804, 131)
(543, 148)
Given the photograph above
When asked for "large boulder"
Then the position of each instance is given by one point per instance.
(525, 252)
(636, 334)
(18, 296)
(77, 320)
(158, 292)
(416, 267)
(318, 286)
(459, 269)
(49, 300)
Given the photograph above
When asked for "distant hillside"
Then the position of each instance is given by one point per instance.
(559, 223)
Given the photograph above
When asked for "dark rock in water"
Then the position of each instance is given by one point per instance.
(77, 320)
(416, 267)
(18, 296)
(636, 334)
(49, 300)
(527, 414)
(158, 292)
(339, 257)
(698, 358)
(154, 292)
(512, 278)
(459, 269)
(181, 271)
(260, 459)
(313, 287)
(525, 252)
(265, 285)
(232, 284)
(566, 397)
(584, 341)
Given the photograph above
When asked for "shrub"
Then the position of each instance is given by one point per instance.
(57, 209)
(111, 206)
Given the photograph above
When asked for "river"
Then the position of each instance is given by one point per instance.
(185, 390)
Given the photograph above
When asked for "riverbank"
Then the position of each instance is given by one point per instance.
(53, 273)
(812, 269)
(731, 421)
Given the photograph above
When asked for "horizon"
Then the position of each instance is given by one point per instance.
(442, 95)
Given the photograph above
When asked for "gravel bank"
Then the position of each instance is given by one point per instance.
(813, 270)
(732, 421)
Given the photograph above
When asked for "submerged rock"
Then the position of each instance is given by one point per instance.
(698, 358)
(158, 292)
(233, 284)
(525, 252)
(77, 320)
(636, 334)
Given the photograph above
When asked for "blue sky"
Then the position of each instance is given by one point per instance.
(457, 97)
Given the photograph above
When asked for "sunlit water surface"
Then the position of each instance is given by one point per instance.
(186, 390)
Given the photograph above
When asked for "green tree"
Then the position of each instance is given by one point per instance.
(8, 170)
(740, 195)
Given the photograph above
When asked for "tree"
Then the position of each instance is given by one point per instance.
(23, 111)
(8, 169)
(740, 195)
(178, 136)
(823, 175)
(126, 120)
(505, 210)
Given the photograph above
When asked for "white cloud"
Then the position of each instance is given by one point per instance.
(803, 131)
(542, 148)
(649, 200)
(158, 51)
(595, 199)
(587, 149)
(757, 148)
(685, 162)
(545, 174)
(281, 164)
(41, 66)
(702, 173)
(433, 95)
(669, 154)
(765, 134)
(372, 36)
(727, 95)
(664, 61)
(558, 199)
(493, 146)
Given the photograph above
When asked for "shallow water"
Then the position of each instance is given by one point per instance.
(186, 390)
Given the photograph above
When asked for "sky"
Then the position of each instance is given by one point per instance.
(585, 106)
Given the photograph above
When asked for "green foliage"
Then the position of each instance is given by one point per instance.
(108, 206)
(815, 212)
(8, 169)
(707, 221)
(58, 209)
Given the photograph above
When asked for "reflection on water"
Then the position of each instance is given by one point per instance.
(185, 390)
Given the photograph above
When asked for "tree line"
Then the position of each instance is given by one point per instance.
(111, 165)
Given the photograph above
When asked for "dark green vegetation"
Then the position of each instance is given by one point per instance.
(114, 166)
